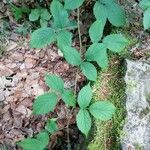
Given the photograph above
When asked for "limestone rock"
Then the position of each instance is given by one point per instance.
(137, 127)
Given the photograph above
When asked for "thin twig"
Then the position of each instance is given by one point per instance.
(76, 78)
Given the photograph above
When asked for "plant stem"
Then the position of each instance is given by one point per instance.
(76, 78)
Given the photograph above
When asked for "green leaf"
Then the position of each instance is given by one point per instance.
(102, 110)
(83, 121)
(98, 52)
(45, 15)
(72, 56)
(17, 12)
(41, 141)
(43, 23)
(85, 96)
(115, 42)
(64, 38)
(96, 31)
(100, 12)
(116, 14)
(59, 14)
(89, 70)
(109, 9)
(34, 15)
(42, 37)
(55, 83)
(146, 19)
(69, 98)
(73, 4)
(44, 103)
(43, 137)
(31, 143)
(144, 4)
(51, 126)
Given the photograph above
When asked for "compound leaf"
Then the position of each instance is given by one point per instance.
(85, 96)
(55, 83)
(73, 4)
(44, 103)
(115, 42)
(72, 56)
(83, 120)
(69, 98)
(42, 37)
(96, 31)
(102, 110)
(89, 70)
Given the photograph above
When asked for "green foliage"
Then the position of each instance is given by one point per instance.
(40, 13)
(102, 110)
(96, 31)
(42, 37)
(69, 98)
(38, 143)
(18, 12)
(45, 103)
(72, 55)
(109, 9)
(55, 83)
(84, 121)
(85, 96)
(145, 5)
(115, 42)
(89, 70)
(59, 32)
(73, 4)
(51, 126)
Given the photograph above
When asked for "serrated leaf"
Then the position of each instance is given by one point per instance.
(69, 98)
(116, 15)
(64, 38)
(102, 110)
(115, 42)
(43, 23)
(96, 31)
(44, 103)
(146, 19)
(59, 14)
(89, 70)
(100, 12)
(144, 4)
(42, 37)
(72, 56)
(34, 15)
(98, 52)
(83, 120)
(44, 14)
(43, 137)
(51, 126)
(31, 143)
(73, 4)
(55, 83)
(85, 96)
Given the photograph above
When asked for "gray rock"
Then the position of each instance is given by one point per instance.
(137, 124)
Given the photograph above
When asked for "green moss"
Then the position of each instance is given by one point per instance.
(111, 86)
